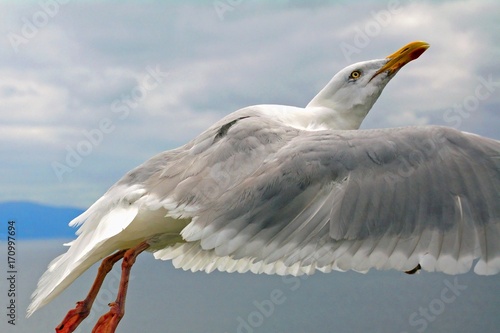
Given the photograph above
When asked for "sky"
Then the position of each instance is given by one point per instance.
(90, 90)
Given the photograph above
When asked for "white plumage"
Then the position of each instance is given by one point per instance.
(286, 190)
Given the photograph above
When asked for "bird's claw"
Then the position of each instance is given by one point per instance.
(73, 318)
(108, 322)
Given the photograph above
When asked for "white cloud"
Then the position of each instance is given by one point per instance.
(30, 100)
(65, 80)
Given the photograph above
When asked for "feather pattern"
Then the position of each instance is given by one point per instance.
(285, 190)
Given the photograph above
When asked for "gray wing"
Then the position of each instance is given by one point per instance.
(269, 198)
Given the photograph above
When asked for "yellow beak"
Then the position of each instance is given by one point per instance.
(403, 56)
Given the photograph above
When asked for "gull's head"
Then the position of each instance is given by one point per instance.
(352, 92)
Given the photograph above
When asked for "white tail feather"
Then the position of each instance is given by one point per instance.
(95, 241)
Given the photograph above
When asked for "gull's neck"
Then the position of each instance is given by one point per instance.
(329, 118)
(340, 110)
(313, 118)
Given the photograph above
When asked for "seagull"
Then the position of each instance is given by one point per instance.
(286, 190)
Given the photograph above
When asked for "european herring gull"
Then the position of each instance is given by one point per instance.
(286, 190)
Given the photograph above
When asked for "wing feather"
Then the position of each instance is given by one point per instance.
(356, 200)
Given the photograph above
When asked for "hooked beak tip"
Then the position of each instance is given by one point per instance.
(403, 56)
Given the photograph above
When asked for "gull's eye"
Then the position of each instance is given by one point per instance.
(355, 75)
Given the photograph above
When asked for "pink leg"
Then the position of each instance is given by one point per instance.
(109, 321)
(81, 311)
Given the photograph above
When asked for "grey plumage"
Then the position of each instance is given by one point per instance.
(285, 190)
(329, 187)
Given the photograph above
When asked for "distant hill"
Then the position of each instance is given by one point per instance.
(36, 221)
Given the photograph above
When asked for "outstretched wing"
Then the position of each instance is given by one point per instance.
(250, 194)
(290, 202)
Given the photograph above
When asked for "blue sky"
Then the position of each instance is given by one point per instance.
(89, 90)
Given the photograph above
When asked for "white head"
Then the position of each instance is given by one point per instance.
(351, 93)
